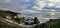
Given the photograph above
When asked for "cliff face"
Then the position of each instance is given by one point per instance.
(3, 15)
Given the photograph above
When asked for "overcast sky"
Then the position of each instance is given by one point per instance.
(31, 8)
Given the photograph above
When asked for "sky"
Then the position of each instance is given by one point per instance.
(31, 8)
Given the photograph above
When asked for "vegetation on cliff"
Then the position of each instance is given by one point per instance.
(52, 23)
(4, 25)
